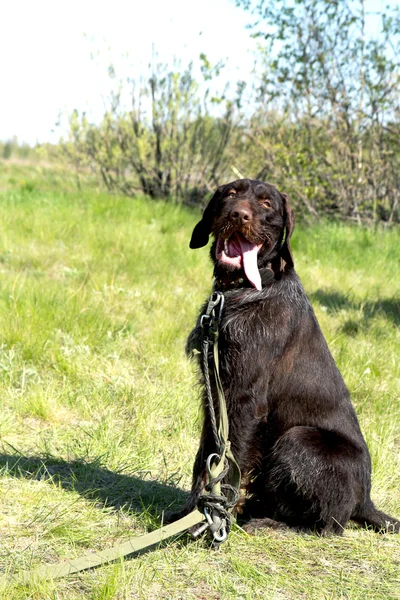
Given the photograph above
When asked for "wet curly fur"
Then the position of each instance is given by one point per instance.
(293, 429)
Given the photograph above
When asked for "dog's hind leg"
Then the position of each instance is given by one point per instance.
(318, 478)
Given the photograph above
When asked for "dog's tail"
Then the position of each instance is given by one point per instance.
(370, 516)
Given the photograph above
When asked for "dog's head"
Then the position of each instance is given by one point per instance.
(248, 220)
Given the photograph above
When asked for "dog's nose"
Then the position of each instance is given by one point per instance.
(241, 216)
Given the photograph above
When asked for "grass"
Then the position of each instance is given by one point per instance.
(100, 421)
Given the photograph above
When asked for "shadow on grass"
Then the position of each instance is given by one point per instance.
(92, 481)
(388, 308)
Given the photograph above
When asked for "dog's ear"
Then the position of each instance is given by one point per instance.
(286, 252)
(202, 230)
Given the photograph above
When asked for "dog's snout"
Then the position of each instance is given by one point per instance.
(241, 216)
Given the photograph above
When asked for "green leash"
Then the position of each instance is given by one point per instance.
(215, 504)
(94, 559)
(219, 498)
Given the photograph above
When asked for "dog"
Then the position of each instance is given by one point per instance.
(293, 429)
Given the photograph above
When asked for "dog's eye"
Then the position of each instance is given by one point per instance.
(266, 203)
(231, 194)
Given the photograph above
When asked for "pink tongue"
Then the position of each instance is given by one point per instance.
(249, 252)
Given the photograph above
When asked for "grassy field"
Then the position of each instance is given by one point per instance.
(100, 413)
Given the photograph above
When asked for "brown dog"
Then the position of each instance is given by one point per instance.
(293, 429)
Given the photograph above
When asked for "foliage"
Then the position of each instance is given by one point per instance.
(322, 121)
(100, 410)
(168, 144)
(13, 150)
(337, 95)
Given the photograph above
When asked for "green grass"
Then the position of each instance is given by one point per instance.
(100, 413)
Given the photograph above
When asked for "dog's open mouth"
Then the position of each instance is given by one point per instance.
(238, 252)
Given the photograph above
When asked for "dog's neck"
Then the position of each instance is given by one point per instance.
(230, 280)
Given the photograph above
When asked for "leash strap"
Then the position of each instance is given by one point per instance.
(94, 559)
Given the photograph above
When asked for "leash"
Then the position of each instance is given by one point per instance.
(219, 498)
(215, 504)
(95, 559)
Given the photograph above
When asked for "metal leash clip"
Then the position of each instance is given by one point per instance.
(210, 319)
(216, 524)
(213, 509)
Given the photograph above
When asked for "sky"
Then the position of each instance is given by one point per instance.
(46, 47)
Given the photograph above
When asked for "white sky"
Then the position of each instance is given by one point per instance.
(45, 64)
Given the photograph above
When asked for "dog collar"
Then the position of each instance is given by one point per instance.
(267, 275)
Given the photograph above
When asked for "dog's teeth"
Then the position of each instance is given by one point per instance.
(226, 246)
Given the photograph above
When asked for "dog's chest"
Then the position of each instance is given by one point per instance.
(246, 326)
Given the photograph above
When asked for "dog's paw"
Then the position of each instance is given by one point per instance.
(252, 526)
